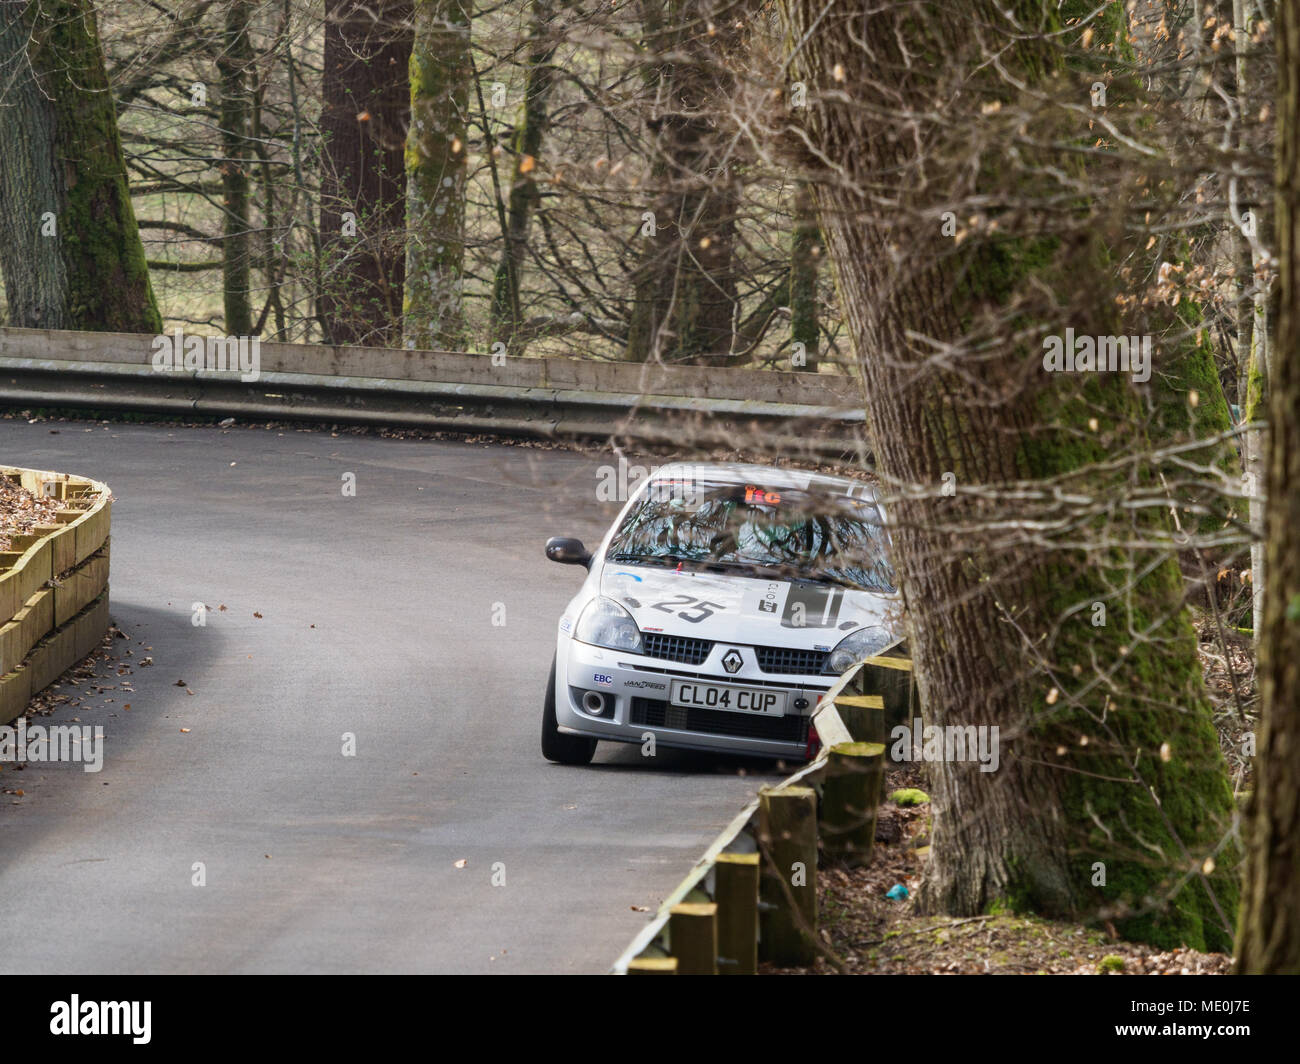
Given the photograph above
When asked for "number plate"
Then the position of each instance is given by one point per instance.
(759, 701)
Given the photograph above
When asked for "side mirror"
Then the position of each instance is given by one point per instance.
(567, 551)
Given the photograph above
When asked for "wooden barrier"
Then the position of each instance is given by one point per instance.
(652, 966)
(855, 776)
(787, 833)
(53, 587)
(736, 877)
(890, 678)
(756, 911)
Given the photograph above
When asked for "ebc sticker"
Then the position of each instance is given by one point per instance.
(812, 607)
(604, 679)
(761, 497)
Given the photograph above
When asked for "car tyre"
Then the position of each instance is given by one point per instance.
(556, 746)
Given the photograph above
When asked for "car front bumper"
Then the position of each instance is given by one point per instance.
(638, 688)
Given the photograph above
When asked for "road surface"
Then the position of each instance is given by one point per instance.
(446, 844)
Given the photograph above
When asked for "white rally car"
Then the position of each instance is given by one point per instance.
(719, 607)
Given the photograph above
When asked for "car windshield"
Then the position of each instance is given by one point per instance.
(804, 535)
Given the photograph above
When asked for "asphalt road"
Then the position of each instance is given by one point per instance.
(376, 619)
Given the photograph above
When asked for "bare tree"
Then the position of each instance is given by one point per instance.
(436, 165)
(1269, 939)
(964, 219)
(363, 180)
(69, 246)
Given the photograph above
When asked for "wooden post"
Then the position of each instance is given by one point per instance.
(652, 966)
(891, 678)
(855, 773)
(736, 891)
(693, 937)
(864, 716)
(787, 835)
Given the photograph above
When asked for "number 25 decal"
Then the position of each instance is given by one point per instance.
(702, 611)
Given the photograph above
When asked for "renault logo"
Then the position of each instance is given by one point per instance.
(732, 661)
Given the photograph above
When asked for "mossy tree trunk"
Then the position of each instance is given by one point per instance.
(234, 65)
(526, 148)
(433, 314)
(69, 245)
(684, 288)
(366, 96)
(805, 261)
(36, 280)
(1111, 800)
(1269, 938)
(1256, 447)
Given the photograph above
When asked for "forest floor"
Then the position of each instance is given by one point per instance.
(863, 932)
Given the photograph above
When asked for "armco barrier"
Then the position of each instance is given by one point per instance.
(817, 414)
(53, 587)
(732, 909)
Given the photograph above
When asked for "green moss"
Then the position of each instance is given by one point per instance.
(436, 169)
(108, 278)
(1112, 962)
(908, 796)
(1255, 408)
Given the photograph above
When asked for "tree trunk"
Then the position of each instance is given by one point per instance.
(1251, 314)
(684, 300)
(1112, 794)
(507, 317)
(805, 259)
(69, 245)
(233, 65)
(433, 314)
(364, 122)
(1269, 938)
(36, 281)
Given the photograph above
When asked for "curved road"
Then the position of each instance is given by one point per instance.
(376, 619)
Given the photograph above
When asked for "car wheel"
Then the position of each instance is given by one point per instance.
(556, 746)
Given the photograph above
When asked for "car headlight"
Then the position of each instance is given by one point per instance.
(856, 646)
(604, 623)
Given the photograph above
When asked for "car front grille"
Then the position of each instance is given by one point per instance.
(680, 648)
(656, 713)
(785, 660)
